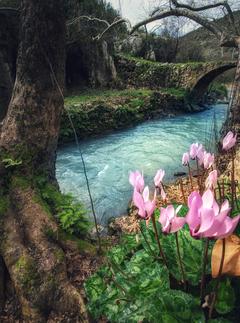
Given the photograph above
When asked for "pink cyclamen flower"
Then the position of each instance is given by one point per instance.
(136, 180)
(185, 159)
(169, 220)
(159, 177)
(145, 206)
(195, 149)
(211, 181)
(229, 140)
(208, 160)
(200, 155)
(206, 219)
(158, 182)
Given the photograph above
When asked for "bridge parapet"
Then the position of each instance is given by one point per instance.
(141, 73)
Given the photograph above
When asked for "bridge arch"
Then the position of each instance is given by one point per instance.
(202, 84)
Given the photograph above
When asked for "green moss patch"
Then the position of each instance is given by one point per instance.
(97, 113)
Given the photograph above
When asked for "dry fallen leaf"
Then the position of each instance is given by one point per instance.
(231, 265)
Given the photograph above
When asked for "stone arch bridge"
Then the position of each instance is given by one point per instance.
(194, 77)
(201, 85)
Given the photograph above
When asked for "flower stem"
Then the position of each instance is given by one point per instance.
(190, 175)
(203, 280)
(147, 243)
(180, 262)
(233, 179)
(182, 190)
(218, 279)
(158, 241)
(198, 175)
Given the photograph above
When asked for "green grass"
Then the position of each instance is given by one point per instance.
(179, 93)
(148, 62)
(92, 95)
(95, 95)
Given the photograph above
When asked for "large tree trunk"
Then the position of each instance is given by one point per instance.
(32, 122)
(6, 86)
(36, 264)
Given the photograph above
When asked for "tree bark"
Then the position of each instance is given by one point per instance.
(35, 263)
(2, 285)
(32, 122)
(6, 86)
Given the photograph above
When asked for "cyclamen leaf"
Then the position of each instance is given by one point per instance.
(191, 254)
(225, 298)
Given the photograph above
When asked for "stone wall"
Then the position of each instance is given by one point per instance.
(140, 73)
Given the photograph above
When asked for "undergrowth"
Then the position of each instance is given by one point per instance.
(71, 215)
(135, 285)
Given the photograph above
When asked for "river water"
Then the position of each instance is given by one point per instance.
(147, 147)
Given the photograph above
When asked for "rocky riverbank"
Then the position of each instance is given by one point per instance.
(111, 110)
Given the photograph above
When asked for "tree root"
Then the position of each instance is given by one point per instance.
(36, 265)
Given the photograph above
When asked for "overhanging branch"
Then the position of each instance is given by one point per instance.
(92, 19)
(108, 26)
(111, 26)
(223, 4)
(182, 12)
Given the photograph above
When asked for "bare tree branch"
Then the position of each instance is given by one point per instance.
(108, 25)
(180, 12)
(203, 8)
(223, 4)
(111, 26)
(92, 19)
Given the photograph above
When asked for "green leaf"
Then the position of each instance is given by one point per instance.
(225, 297)
(191, 251)
(163, 307)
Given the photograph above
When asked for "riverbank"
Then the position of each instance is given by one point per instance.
(98, 112)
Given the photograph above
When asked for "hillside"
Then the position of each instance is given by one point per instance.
(204, 45)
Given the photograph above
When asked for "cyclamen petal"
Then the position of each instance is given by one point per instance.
(145, 194)
(207, 220)
(177, 224)
(194, 150)
(145, 207)
(208, 160)
(208, 199)
(170, 221)
(150, 207)
(185, 159)
(211, 181)
(139, 203)
(133, 176)
(136, 180)
(229, 140)
(200, 157)
(194, 196)
(159, 177)
(228, 228)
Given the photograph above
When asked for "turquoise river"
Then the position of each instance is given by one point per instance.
(147, 147)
